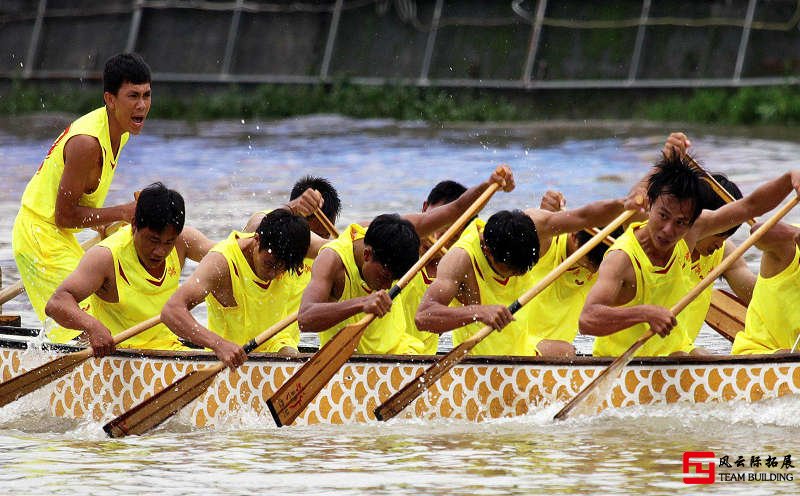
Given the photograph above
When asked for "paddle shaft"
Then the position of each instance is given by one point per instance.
(626, 357)
(323, 219)
(16, 289)
(715, 185)
(299, 390)
(397, 402)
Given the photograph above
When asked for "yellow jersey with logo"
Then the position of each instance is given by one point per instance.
(46, 254)
(384, 336)
(259, 303)
(554, 313)
(663, 286)
(770, 325)
(495, 290)
(695, 313)
(140, 296)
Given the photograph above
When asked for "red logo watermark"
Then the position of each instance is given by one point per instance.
(699, 467)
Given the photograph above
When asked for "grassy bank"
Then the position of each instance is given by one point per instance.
(745, 106)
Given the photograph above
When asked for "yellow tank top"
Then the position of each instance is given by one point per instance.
(769, 326)
(554, 313)
(695, 313)
(409, 300)
(40, 193)
(662, 286)
(140, 296)
(494, 290)
(383, 336)
(296, 284)
(259, 303)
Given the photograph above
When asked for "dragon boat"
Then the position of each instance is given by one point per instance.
(477, 389)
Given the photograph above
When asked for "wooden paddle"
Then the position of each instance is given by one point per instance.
(162, 405)
(726, 314)
(300, 389)
(606, 379)
(19, 386)
(398, 401)
(16, 289)
(323, 219)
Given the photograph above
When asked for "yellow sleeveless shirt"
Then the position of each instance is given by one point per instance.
(44, 253)
(259, 303)
(695, 313)
(384, 336)
(409, 300)
(140, 297)
(495, 290)
(40, 194)
(662, 286)
(554, 313)
(769, 325)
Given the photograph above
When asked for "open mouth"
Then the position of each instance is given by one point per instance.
(139, 120)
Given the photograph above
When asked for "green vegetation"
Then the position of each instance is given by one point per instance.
(275, 101)
(748, 106)
(745, 106)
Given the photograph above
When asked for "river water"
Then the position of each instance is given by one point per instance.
(229, 169)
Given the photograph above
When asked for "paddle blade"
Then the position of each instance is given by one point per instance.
(298, 391)
(41, 376)
(726, 315)
(591, 397)
(161, 406)
(401, 399)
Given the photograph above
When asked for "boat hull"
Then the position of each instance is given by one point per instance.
(475, 390)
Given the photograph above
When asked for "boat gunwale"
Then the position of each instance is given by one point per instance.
(580, 360)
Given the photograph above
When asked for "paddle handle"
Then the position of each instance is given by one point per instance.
(269, 333)
(11, 292)
(138, 328)
(738, 252)
(323, 219)
(715, 185)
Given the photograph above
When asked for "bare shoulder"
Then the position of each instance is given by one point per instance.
(82, 149)
(456, 265)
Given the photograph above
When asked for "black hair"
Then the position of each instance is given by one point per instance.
(445, 192)
(122, 68)
(286, 236)
(158, 207)
(596, 254)
(394, 243)
(512, 239)
(713, 201)
(331, 203)
(675, 177)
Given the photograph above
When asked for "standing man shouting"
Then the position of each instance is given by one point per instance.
(68, 190)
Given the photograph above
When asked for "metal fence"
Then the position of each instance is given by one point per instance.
(477, 43)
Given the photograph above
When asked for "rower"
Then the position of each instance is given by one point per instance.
(645, 271)
(707, 254)
(491, 265)
(129, 276)
(241, 281)
(68, 190)
(351, 273)
(308, 194)
(552, 319)
(771, 327)
(444, 192)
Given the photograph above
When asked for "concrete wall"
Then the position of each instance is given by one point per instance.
(470, 43)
